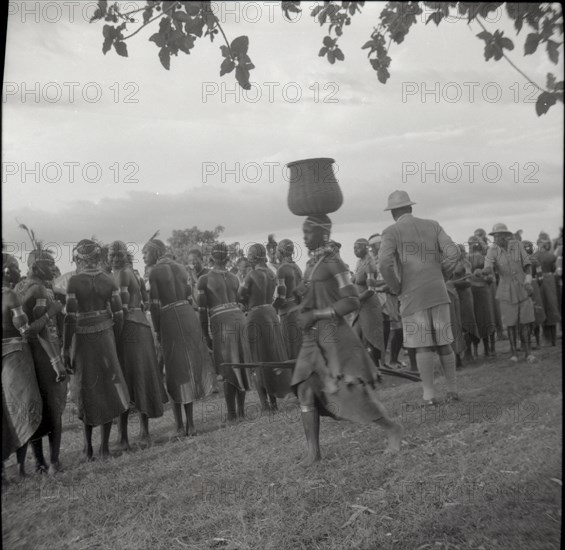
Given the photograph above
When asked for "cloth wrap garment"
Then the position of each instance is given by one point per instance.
(549, 289)
(292, 333)
(53, 393)
(140, 366)
(189, 373)
(98, 386)
(264, 335)
(21, 400)
(229, 345)
(458, 344)
(332, 360)
(483, 298)
(369, 320)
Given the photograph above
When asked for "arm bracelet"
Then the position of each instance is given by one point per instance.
(326, 313)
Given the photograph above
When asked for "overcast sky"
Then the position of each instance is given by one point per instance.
(139, 148)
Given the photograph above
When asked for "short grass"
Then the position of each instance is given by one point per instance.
(482, 475)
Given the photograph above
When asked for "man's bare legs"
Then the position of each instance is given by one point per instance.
(240, 395)
(21, 457)
(104, 450)
(105, 440)
(512, 340)
(123, 428)
(144, 429)
(55, 447)
(177, 413)
(190, 429)
(230, 392)
(311, 424)
(88, 442)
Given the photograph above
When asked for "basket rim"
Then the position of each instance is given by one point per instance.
(289, 164)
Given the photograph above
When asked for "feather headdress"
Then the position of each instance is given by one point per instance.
(156, 234)
(35, 244)
(38, 251)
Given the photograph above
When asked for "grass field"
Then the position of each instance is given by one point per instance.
(484, 474)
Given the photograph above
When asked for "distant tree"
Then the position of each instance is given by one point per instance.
(182, 240)
(181, 23)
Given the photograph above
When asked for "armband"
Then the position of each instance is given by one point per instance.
(41, 302)
(115, 292)
(343, 279)
(155, 302)
(71, 296)
(123, 289)
(326, 313)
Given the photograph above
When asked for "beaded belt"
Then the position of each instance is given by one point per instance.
(259, 307)
(231, 306)
(13, 340)
(88, 314)
(175, 304)
(98, 327)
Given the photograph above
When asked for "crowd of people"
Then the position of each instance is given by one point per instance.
(116, 341)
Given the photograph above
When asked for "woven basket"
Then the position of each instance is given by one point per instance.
(314, 188)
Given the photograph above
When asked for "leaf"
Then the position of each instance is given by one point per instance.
(485, 35)
(240, 45)
(489, 52)
(506, 43)
(193, 8)
(552, 51)
(531, 45)
(121, 48)
(225, 51)
(168, 4)
(329, 42)
(186, 44)
(544, 102)
(227, 66)
(107, 45)
(147, 14)
(331, 56)
(339, 54)
(165, 58)
(436, 17)
(108, 31)
(101, 10)
(383, 75)
(159, 39)
(195, 26)
(316, 10)
(180, 16)
(369, 44)
(322, 51)
(550, 82)
(175, 37)
(242, 76)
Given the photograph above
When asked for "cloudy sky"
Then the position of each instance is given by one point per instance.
(119, 147)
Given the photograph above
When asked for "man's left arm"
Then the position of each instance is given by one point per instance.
(450, 252)
(387, 259)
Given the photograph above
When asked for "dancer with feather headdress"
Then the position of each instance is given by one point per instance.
(39, 304)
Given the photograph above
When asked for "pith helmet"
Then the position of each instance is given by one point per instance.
(398, 199)
(500, 228)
